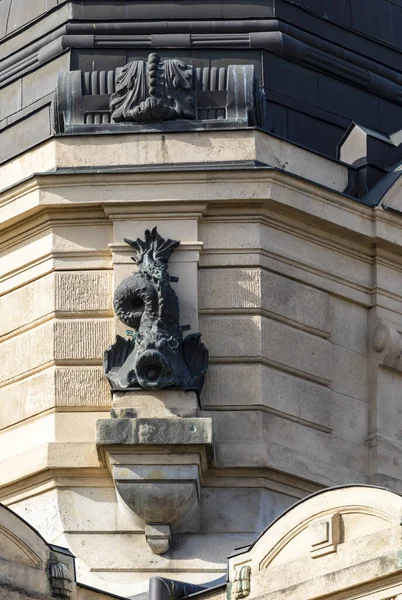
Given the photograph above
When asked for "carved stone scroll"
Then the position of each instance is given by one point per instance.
(387, 342)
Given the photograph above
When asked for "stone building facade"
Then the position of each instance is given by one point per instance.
(265, 137)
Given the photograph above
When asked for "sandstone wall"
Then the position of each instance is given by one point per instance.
(286, 278)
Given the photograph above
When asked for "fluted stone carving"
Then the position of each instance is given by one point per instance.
(60, 579)
(241, 587)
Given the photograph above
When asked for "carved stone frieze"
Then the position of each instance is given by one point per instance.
(156, 94)
(154, 90)
(156, 356)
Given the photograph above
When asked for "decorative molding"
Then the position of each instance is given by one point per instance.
(275, 36)
(325, 535)
(158, 538)
(155, 91)
(242, 582)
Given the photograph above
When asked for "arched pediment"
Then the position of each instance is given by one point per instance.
(328, 543)
(29, 567)
(21, 543)
(13, 549)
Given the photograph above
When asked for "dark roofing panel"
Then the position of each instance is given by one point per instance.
(379, 19)
(339, 11)
(171, 9)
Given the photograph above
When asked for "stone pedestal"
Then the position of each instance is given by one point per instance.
(157, 466)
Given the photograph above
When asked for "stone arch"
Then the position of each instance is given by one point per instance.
(331, 541)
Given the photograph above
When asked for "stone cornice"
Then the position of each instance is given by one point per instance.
(207, 191)
(267, 34)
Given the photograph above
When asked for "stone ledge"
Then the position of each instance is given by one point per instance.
(154, 432)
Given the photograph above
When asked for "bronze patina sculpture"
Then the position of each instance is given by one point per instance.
(156, 356)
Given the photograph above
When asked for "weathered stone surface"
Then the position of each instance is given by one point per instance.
(27, 398)
(350, 372)
(57, 427)
(81, 387)
(258, 337)
(66, 292)
(160, 403)
(290, 300)
(241, 385)
(43, 81)
(350, 418)
(53, 387)
(158, 493)
(239, 509)
(154, 431)
(234, 433)
(282, 250)
(17, 139)
(34, 348)
(83, 291)
(27, 304)
(362, 557)
(349, 325)
(11, 99)
(82, 340)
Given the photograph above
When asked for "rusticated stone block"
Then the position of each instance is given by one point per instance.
(86, 386)
(75, 340)
(26, 351)
(261, 289)
(78, 291)
(27, 398)
(11, 99)
(82, 339)
(243, 385)
(349, 325)
(261, 338)
(55, 386)
(75, 292)
(26, 304)
(350, 371)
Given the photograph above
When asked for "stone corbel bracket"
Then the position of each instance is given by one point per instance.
(157, 466)
(387, 342)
